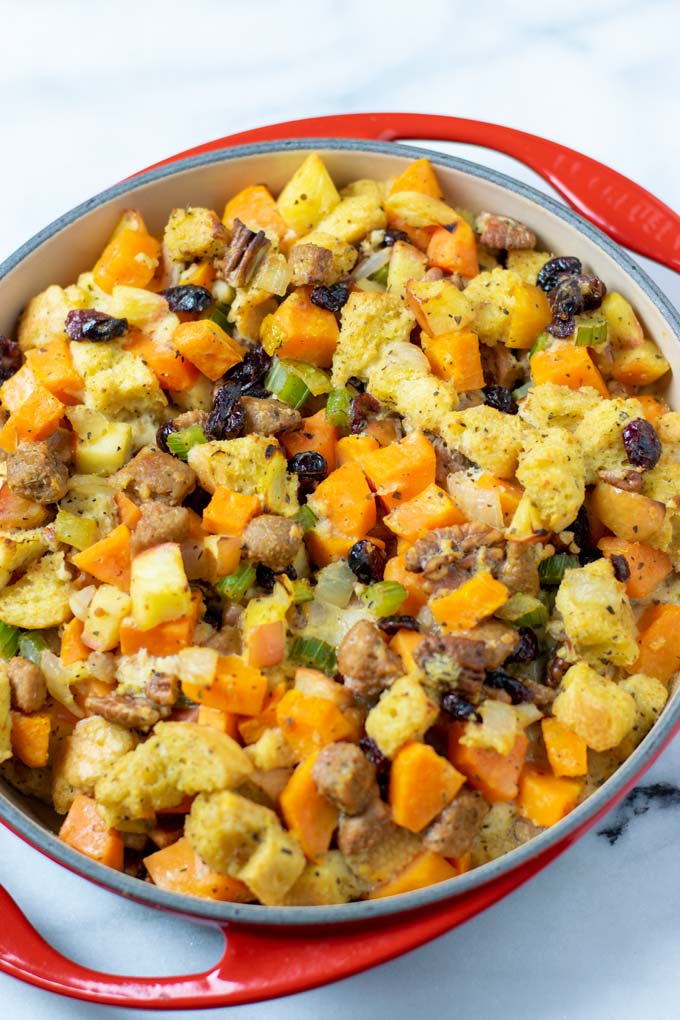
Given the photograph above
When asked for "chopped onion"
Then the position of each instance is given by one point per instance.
(273, 274)
(223, 292)
(59, 681)
(368, 266)
(483, 505)
(335, 584)
(80, 600)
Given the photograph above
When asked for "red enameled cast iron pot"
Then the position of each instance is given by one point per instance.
(276, 951)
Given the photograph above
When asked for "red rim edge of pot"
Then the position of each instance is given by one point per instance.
(305, 956)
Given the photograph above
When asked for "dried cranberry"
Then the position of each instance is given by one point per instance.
(310, 467)
(187, 298)
(391, 624)
(566, 299)
(331, 298)
(593, 290)
(499, 680)
(501, 398)
(643, 446)
(249, 374)
(226, 419)
(162, 435)
(10, 358)
(561, 328)
(587, 556)
(366, 561)
(580, 528)
(197, 500)
(620, 566)
(212, 602)
(89, 324)
(552, 270)
(361, 409)
(356, 383)
(458, 708)
(392, 235)
(526, 649)
(374, 754)
(265, 577)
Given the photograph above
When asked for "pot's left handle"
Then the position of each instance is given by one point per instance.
(257, 963)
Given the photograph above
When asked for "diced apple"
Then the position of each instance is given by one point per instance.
(623, 329)
(639, 366)
(109, 606)
(407, 263)
(107, 453)
(629, 515)
(158, 586)
(308, 196)
(438, 306)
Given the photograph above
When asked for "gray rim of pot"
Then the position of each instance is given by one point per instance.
(364, 910)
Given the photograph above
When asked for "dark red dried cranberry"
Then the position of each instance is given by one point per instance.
(331, 298)
(374, 754)
(526, 649)
(162, 435)
(580, 528)
(392, 235)
(366, 561)
(310, 467)
(566, 299)
(587, 556)
(249, 374)
(391, 624)
(10, 358)
(458, 708)
(89, 324)
(362, 407)
(561, 328)
(593, 290)
(197, 500)
(499, 680)
(643, 446)
(265, 577)
(501, 398)
(552, 270)
(620, 567)
(187, 298)
(356, 383)
(226, 419)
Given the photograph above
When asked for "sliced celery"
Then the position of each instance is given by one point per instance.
(302, 591)
(523, 610)
(540, 344)
(9, 640)
(338, 407)
(219, 316)
(286, 385)
(315, 379)
(551, 571)
(32, 644)
(384, 598)
(234, 586)
(590, 332)
(306, 518)
(311, 651)
(179, 443)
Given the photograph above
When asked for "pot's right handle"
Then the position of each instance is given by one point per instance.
(621, 208)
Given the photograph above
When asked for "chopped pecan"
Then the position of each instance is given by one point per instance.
(503, 232)
(627, 478)
(162, 690)
(243, 255)
(132, 713)
(449, 556)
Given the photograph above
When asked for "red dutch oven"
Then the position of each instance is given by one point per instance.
(272, 951)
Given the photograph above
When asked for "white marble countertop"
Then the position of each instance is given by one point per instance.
(89, 98)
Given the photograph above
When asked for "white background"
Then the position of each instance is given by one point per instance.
(91, 92)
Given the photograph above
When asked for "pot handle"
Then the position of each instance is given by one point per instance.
(624, 210)
(257, 963)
